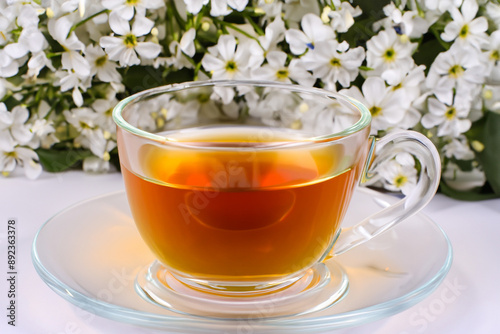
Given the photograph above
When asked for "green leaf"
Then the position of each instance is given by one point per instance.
(490, 156)
(427, 52)
(61, 160)
(179, 76)
(139, 78)
(480, 194)
(365, 68)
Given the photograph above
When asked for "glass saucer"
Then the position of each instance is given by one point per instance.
(91, 253)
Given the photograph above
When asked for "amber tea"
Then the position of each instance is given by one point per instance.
(253, 212)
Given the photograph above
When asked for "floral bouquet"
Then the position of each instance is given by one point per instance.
(427, 65)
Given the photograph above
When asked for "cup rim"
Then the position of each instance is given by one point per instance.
(363, 121)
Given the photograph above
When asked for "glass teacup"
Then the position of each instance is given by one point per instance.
(239, 189)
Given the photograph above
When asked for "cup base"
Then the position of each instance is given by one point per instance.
(320, 287)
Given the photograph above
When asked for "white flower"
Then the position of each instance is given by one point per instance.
(400, 173)
(463, 181)
(458, 148)
(409, 81)
(125, 48)
(13, 128)
(492, 57)
(493, 12)
(342, 17)
(30, 40)
(194, 6)
(319, 118)
(71, 58)
(187, 42)
(440, 6)
(42, 128)
(99, 143)
(95, 165)
(313, 31)
(71, 80)
(82, 119)
(387, 50)
(104, 110)
(217, 7)
(295, 10)
(408, 23)
(8, 17)
(464, 27)
(226, 61)
(409, 84)
(491, 98)
(383, 103)
(274, 34)
(8, 65)
(333, 62)
(37, 62)
(270, 9)
(276, 70)
(100, 65)
(178, 59)
(458, 68)
(23, 157)
(125, 8)
(275, 108)
(220, 7)
(450, 119)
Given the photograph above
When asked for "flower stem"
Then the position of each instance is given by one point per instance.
(235, 28)
(256, 27)
(177, 16)
(73, 28)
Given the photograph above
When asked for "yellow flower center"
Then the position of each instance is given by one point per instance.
(398, 86)
(495, 55)
(282, 74)
(84, 125)
(335, 62)
(203, 98)
(99, 62)
(130, 41)
(464, 32)
(12, 154)
(231, 66)
(456, 71)
(450, 113)
(132, 2)
(375, 111)
(390, 55)
(400, 180)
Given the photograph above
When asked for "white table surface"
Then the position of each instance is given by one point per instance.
(468, 301)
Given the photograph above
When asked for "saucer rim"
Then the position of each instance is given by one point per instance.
(183, 321)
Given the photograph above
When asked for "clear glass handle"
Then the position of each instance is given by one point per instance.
(387, 148)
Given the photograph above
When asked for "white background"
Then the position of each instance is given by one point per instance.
(468, 301)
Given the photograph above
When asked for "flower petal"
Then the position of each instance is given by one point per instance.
(142, 26)
(16, 50)
(297, 41)
(148, 50)
(119, 25)
(211, 63)
(226, 46)
(469, 9)
(187, 42)
(129, 58)
(374, 90)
